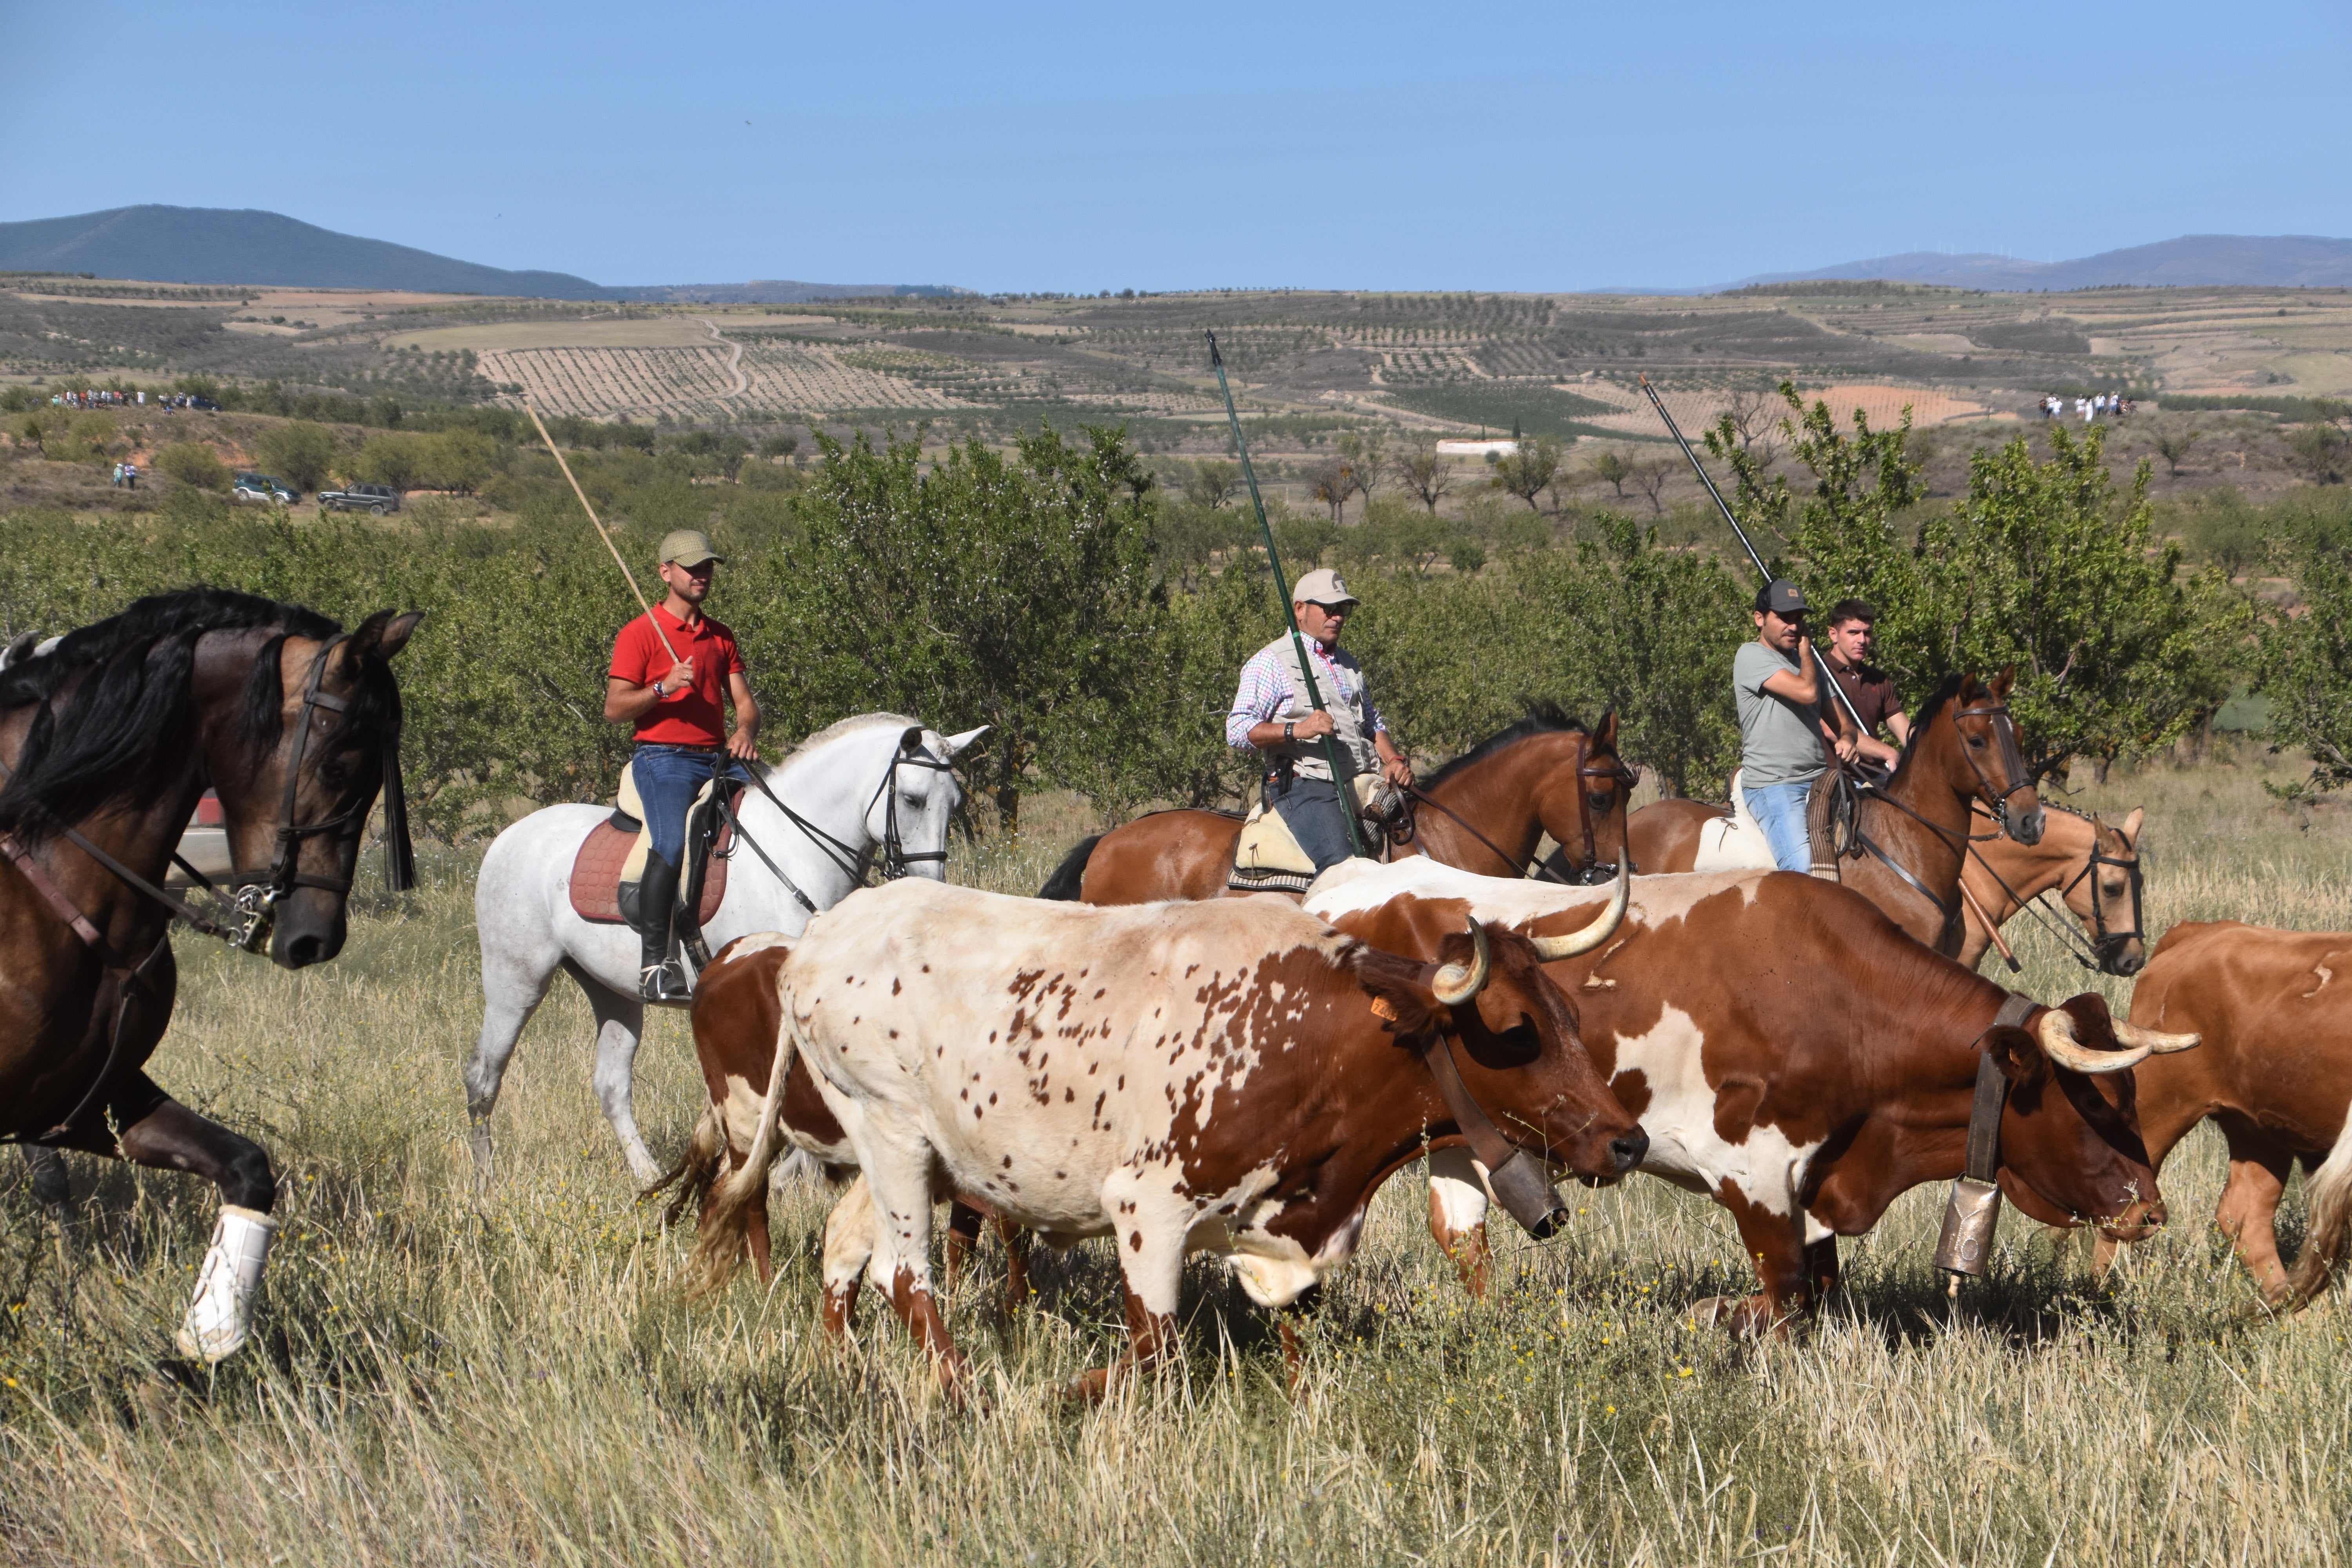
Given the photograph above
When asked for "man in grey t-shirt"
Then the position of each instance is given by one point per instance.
(1787, 730)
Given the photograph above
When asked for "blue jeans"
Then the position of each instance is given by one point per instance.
(1780, 811)
(668, 777)
(1310, 809)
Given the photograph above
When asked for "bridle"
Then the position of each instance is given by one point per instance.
(850, 861)
(2106, 941)
(1591, 873)
(259, 893)
(2012, 760)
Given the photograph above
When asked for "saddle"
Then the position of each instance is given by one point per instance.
(610, 867)
(1267, 858)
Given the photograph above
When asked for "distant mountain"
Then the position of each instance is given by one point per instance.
(2276, 261)
(218, 245)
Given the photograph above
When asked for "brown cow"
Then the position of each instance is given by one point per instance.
(1792, 1055)
(2276, 1076)
(1232, 1075)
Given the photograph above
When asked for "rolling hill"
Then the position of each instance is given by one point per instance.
(221, 246)
(2196, 260)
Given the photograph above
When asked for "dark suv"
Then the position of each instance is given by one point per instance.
(376, 499)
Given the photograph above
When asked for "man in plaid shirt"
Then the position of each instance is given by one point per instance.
(1272, 715)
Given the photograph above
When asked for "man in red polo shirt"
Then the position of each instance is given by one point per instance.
(669, 667)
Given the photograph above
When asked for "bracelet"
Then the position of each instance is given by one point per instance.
(1289, 732)
(659, 695)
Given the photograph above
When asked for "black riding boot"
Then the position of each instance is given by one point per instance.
(660, 976)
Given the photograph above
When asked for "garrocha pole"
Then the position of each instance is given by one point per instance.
(1762, 570)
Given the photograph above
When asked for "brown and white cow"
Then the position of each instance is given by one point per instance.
(1794, 1056)
(1233, 1077)
(2276, 1076)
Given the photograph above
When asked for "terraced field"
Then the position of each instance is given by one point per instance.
(600, 383)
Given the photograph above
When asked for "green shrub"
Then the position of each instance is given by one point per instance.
(194, 464)
(300, 453)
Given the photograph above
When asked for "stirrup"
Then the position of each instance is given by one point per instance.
(664, 982)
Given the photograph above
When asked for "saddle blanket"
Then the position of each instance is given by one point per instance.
(613, 854)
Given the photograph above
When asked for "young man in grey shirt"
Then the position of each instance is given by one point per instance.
(1787, 730)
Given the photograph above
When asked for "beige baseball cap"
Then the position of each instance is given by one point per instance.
(1321, 586)
(688, 547)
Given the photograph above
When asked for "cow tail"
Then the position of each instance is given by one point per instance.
(2328, 1194)
(697, 1169)
(735, 1202)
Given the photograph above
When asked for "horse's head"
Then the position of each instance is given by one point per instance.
(298, 777)
(1993, 770)
(1583, 806)
(914, 806)
(2105, 895)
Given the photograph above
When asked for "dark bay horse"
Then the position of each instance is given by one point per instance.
(1485, 811)
(108, 741)
(1913, 830)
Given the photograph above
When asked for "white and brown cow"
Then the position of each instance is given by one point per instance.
(1233, 1077)
(1794, 1056)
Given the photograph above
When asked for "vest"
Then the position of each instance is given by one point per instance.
(1345, 704)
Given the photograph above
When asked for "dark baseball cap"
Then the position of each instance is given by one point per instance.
(1781, 597)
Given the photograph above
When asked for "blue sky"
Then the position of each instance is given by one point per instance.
(1083, 147)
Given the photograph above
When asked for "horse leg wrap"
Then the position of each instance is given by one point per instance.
(222, 1313)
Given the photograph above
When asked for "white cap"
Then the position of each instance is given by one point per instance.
(1321, 586)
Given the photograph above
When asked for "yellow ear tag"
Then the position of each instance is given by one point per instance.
(1383, 1008)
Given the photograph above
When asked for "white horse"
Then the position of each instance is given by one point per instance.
(877, 780)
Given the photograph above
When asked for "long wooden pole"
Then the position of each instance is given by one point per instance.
(627, 575)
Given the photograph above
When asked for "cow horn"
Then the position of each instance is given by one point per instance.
(2058, 1040)
(2156, 1040)
(1454, 985)
(1603, 928)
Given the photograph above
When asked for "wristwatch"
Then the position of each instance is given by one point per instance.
(1290, 731)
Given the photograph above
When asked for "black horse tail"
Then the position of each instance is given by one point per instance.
(1067, 876)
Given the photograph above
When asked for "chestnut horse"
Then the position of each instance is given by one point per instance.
(108, 742)
(1485, 811)
(1911, 833)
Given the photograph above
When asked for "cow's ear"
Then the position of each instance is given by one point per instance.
(2018, 1054)
(1398, 990)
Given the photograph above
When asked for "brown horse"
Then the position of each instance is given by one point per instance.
(1911, 833)
(2093, 864)
(108, 742)
(1485, 811)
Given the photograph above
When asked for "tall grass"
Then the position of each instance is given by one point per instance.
(441, 1376)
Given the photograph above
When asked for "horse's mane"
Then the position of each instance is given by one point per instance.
(132, 707)
(1545, 718)
(849, 726)
(1927, 715)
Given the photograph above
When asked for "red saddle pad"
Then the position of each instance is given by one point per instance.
(596, 873)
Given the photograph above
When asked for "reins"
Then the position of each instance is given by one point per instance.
(1617, 772)
(852, 863)
(1854, 791)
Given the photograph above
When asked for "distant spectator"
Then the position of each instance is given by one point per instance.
(131, 476)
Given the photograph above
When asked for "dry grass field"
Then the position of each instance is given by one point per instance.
(445, 1376)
